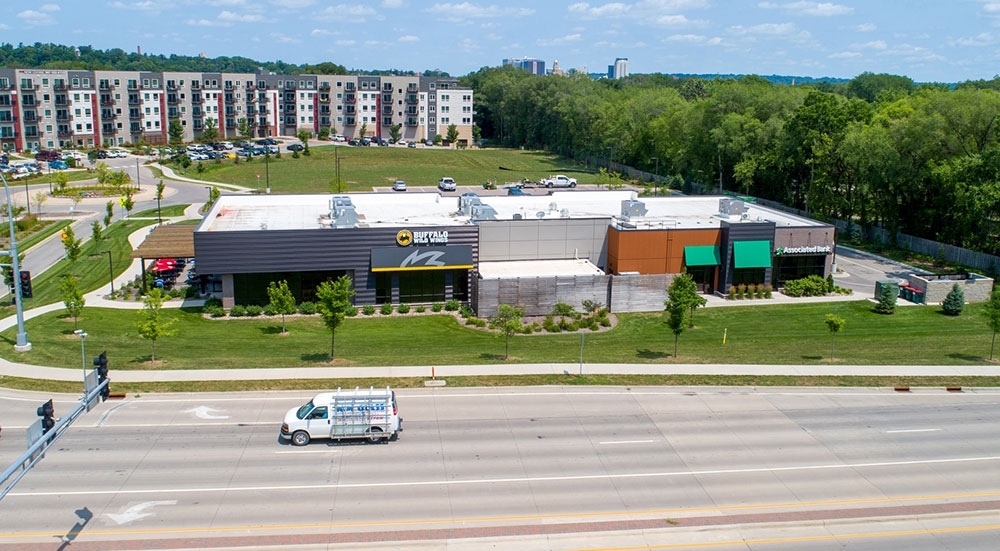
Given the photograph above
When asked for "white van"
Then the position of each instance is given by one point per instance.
(357, 413)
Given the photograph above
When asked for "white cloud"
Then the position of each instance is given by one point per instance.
(145, 5)
(295, 4)
(468, 45)
(866, 28)
(607, 11)
(207, 23)
(816, 9)
(239, 18)
(49, 7)
(33, 17)
(981, 39)
(766, 29)
(466, 11)
(409, 38)
(320, 32)
(694, 39)
(345, 12)
(392, 3)
(844, 55)
(226, 2)
(346, 42)
(561, 41)
(875, 45)
(284, 38)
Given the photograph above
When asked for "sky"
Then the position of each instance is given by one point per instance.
(926, 40)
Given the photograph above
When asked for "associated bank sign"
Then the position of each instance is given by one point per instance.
(816, 249)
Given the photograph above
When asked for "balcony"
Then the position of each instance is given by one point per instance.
(263, 110)
(5, 85)
(197, 100)
(252, 123)
(411, 121)
(350, 110)
(349, 86)
(289, 121)
(133, 99)
(198, 125)
(324, 121)
(107, 129)
(29, 115)
(230, 112)
(411, 88)
(228, 86)
(263, 123)
(59, 86)
(132, 85)
(197, 112)
(386, 98)
(172, 99)
(230, 124)
(62, 116)
(196, 85)
(324, 98)
(28, 87)
(229, 98)
(348, 121)
(64, 133)
(350, 98)
(29, 134)
(173, 114)
(411, 111)
(289, 109)
(62, 100)
(386, 109)
(290, 85)
(107, 102)
(172, 86)
(251, 112)
(251, 98)
(412, 99)
(134, 114)
(324, 87)
(107, 114)
(324, 109)
(262, 98)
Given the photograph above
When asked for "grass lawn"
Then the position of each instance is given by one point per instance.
(773, 334)
(165, 211)
(361, 168)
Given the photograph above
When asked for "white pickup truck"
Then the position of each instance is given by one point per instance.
(557, 181)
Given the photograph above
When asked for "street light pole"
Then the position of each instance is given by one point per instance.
(83, 352)
(27, 198)
(138, 181)
(22, 344)
(656, 174)
(267, 169)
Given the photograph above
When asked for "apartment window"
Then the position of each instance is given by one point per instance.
(444, 120)
(466, 120)
(76, 112)
(76, 83)
(146, 96)
(445, 97)
(119, 83)
(76, 97)
(302, 84)
(86, 83)
(145, 83)
(432, 86)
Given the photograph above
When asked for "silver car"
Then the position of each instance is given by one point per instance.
(447, 184)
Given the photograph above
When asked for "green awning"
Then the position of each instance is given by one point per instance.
(701, 255)
(751, 254)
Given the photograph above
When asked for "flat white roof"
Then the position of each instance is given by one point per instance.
(295, 212)
(537, 268)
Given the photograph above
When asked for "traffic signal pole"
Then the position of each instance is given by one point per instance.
(41, 438)
(21, 344)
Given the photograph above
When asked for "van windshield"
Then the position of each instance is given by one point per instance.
(304, 410)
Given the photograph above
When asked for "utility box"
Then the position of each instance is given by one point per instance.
(879, 285)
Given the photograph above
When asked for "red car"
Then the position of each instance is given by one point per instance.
(48, 155)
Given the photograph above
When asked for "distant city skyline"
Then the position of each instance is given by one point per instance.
(928, 41)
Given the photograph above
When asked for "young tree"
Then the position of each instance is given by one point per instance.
(159, 197)
(363, 130)
(992, 312)
(835, 324)
(281, 300)
(61, 179)
(69, 289)
(39, 200)
(243, 128)
(395, 132)
(109, 213)
(682, 296)
(175, 132)
(954, 303)
(507, 320)
(886, 301)
(152, 325)
(71, 245)
(304, 136)
(96, 231)
(334, 298)
(127, 203)
(452, 133)
(210, 132)
(323, 134)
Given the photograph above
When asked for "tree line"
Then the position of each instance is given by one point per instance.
(878, 150)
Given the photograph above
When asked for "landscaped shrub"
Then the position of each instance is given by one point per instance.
(385, 309)
(351, 311)
(591, 306)
(732, 292)
(403, 308)
(809, 286)
(368, 310)
(550, 325)
(452, 305)
(465, 311)
(307, 308)
(255, 310)
(238, 311)
(604, 321)
(270, 310)
(190, 292)
(215, 311)
(421, 309)
(563, 309)
(477, 322)
(209, 302)
(954, 303)
(437, 307)
(768, 290)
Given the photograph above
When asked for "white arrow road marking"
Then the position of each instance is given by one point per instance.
(205, 412)
(135, 512)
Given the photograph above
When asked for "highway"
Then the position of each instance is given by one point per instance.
(562, 468)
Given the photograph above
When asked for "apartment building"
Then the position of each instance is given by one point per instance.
(60, 109)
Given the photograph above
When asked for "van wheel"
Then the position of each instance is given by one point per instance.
(374, 434)
(300, 438)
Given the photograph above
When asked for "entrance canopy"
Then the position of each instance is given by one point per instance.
(701, 255)
(752, 254)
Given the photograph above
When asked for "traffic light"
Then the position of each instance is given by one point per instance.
(25, 284)
(46, 411)
(102, 374)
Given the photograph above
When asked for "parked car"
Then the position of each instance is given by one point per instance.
(48, 155)
(102, 154)
(339, 138)
(241, 145)
(412, 144)
(58, 165)
(399, 185)
(354, 142)
(294, 147)
(447, 184)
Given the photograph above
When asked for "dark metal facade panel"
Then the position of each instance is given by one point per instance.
(306, 250)
(741, 231)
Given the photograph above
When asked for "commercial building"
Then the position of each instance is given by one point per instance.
(619, 69)
(58, 109)
(610, 247)
(533, 66)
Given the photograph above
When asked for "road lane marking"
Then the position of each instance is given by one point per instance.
(520, 480)
(910, 430)
(613, 442)
(307, 451)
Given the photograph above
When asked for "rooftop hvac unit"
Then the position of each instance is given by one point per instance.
(632, 208)
(483, 212)
(731, 207)
(466, 201)
(342, 213)
(553, 207)
(564, 213)
(518, 216)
